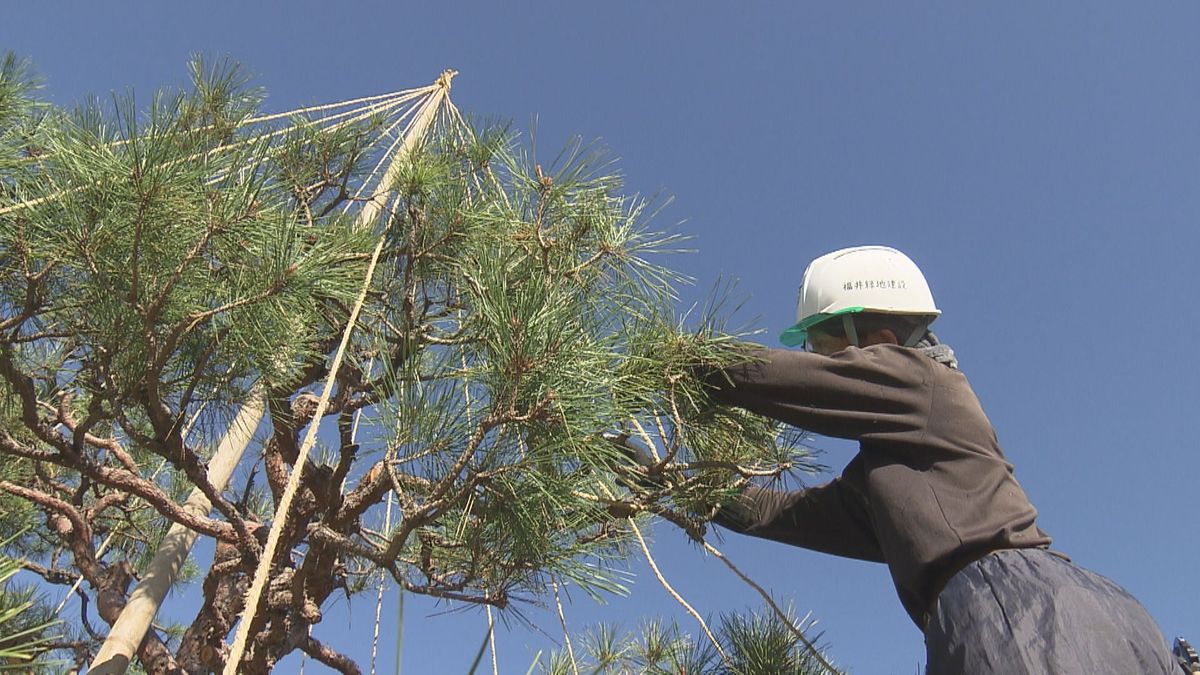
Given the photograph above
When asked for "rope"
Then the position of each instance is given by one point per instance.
(491, 623)
(293, 486)
(388, 101)
(779, 613)
(666, 584)
(387, 525)
(390, 150)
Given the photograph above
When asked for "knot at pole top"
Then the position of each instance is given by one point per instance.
(446, 76)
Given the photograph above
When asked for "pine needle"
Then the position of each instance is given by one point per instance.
(479, 654)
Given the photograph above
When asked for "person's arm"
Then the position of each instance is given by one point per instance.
(828, 518)
(825, 518)
(851, 394)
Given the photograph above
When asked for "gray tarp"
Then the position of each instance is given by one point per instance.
(1029, 612)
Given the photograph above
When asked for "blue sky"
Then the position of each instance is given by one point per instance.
(1040, 161)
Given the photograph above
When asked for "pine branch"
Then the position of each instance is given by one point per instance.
(125, 481)
(329, 657)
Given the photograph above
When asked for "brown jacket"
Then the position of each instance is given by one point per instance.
(928, 491)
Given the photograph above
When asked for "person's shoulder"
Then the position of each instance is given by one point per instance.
(905, 363)
(892, 354)
(917, 365)
(875, 357)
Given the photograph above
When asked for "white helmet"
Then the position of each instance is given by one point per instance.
(875, 279)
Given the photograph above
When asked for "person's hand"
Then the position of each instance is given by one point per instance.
(641, 475)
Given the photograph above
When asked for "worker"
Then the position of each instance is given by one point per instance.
(929, 493)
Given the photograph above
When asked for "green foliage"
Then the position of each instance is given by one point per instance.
(525, 318)
(756, 643)
(20, 116)
(25, 623)
(175, 258)
(761, 643)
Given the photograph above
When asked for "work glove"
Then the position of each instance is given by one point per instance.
(638, 477)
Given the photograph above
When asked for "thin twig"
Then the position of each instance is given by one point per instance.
(662, 432)
(562, 620)
(675, 594)
(102, 548)
(116, 530)
(774, 608)
(645, 438)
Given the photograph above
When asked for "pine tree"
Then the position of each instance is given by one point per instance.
(164, 268)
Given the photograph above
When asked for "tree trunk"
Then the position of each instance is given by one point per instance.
(127, 633)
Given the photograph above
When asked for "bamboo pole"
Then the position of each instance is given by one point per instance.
(366, 219)
(130, 628)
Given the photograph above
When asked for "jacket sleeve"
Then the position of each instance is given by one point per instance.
(851, 394)
(825, 518)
